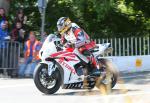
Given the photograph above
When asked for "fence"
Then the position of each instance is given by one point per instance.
(10, 51)
(9, 54)
(128, 46)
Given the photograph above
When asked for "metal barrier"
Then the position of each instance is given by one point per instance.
(10, 51)
(128, 46)
(9, 54)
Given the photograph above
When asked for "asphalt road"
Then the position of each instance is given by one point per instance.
(131, 88)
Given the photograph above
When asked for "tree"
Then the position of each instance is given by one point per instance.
(100, 18)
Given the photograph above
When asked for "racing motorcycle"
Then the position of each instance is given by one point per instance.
(61, 68)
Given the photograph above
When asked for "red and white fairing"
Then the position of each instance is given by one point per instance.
(67, 58)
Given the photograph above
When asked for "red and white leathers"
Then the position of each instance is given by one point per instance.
(77, 36)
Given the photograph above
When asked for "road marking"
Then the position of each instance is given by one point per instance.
(14, 86)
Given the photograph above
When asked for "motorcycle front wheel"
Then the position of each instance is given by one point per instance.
(45, 83)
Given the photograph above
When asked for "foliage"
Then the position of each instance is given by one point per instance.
(100, 18)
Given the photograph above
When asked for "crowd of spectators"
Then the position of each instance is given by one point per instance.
(18, 33)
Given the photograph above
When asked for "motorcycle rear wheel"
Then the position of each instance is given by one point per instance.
(43, 81)
(106, 83)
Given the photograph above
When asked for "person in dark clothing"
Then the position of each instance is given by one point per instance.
(18, 33)
(21, 17)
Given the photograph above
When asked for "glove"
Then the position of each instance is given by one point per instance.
(69, 45)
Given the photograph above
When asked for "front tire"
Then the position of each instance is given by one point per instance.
(42, 80)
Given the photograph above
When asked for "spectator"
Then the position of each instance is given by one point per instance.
(21, 17)
(3, 30)
(2, 14)
(31, 50)
(3, 37)
(18, 33)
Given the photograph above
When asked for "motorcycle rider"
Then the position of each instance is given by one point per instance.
(74, 36)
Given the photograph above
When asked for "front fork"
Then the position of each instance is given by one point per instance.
(50, 66)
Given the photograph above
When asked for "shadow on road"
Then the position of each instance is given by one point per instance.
(136, 78)
(92, 92)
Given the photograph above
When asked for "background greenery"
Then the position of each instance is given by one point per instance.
(99, 18)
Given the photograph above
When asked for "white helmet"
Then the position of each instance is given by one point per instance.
(63, 25)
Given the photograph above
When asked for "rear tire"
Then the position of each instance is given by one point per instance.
(106, 83)
(39, 84)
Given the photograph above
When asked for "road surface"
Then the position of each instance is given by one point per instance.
(131, 88)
